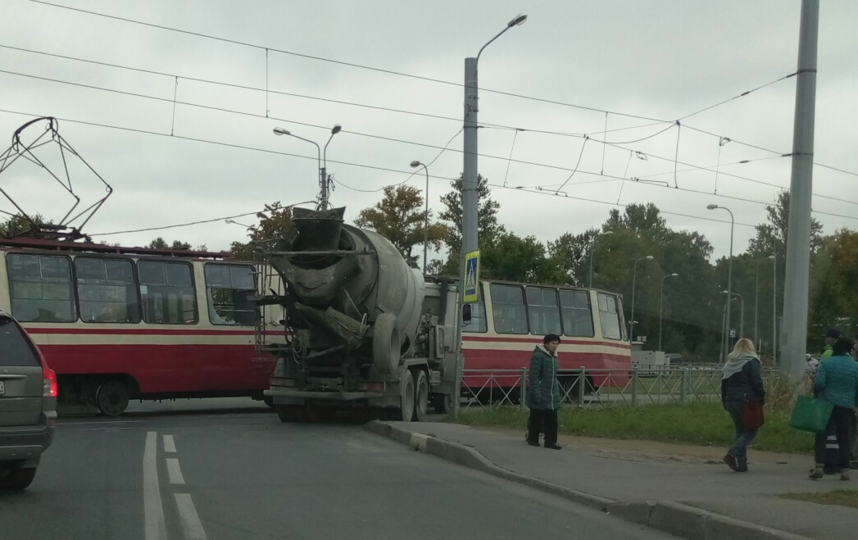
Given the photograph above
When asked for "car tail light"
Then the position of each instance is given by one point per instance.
(49, 383)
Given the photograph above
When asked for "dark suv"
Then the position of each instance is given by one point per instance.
(28, 405)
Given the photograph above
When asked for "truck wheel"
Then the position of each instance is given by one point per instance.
(421, 395)
(386, 344)
(18, 479)
(443, 403)
(405, 411)
(290, 413)
(112, 397)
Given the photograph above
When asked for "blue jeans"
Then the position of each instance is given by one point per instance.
(743, 438)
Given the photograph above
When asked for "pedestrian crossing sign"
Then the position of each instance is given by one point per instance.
(472, 277)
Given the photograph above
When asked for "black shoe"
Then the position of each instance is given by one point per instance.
(533, 443)
(742, 469)
(553, 446)
(731, 462)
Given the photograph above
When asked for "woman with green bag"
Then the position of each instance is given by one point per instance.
(742, 386)
(837, 382)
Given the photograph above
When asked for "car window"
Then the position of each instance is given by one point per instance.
(15, 348)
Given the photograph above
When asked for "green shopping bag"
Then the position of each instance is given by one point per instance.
(811, 414)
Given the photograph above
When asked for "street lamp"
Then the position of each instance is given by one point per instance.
(757, 295)
(323, 175)
(661, 307)
(634, 280)
(415, 164)
(593, 252)
(729, 261)
(470, 196)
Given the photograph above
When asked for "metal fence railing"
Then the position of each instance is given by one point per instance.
(486, 388)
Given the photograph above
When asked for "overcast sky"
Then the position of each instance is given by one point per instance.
(658, 59)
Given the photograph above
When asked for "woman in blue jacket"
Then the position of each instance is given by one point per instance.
(837, 382)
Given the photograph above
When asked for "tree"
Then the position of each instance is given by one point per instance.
(487, 223)
(569, 254)
(513, 258)
(272, 233)
(400, 217)
(18, 224)
(177, 245)
(771, 236)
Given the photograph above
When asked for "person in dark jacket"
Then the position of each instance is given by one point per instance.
(543, 394)
(741, 380)
(837, 382)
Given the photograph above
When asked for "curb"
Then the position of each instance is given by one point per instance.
(674, 518)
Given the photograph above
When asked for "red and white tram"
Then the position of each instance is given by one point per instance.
(119, 324)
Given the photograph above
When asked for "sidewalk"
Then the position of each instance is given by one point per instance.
(642, 471)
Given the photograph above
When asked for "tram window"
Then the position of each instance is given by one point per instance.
(106, 290)
(41, 288)
(610, 317)
(479, 323)
(543, 311)
(230, 290)
(576, 312)
(167, 291)
(509, 313)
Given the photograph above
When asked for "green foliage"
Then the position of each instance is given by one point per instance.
(400, 217)
(160, 243)
(275, 226)
(488, 224)
(17, 225)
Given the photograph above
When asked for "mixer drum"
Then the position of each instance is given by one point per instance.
(353, 284)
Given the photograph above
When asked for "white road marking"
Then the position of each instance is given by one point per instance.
(190, 520)
(169, 444)
(153, 511)
(175, 472)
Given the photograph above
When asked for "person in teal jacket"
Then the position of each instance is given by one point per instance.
(837, 382)
(543, 394)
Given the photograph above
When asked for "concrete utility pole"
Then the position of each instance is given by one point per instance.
(470, 195)
(794, 328)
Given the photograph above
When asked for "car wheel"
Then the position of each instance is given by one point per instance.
(18, 479)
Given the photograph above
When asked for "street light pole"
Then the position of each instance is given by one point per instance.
(757, 298)
(593, 253)
(742, 314)
(415, 164)
(634, 282)
(323, 175)
(775, 308)
(661, 307)
(470, 196)
(729, 264)
(323, 198)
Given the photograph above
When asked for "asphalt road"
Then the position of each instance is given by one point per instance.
(227, 469)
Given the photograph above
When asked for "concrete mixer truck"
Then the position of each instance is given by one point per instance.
(363, 330)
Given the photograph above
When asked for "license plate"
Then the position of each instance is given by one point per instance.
(2, 388)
